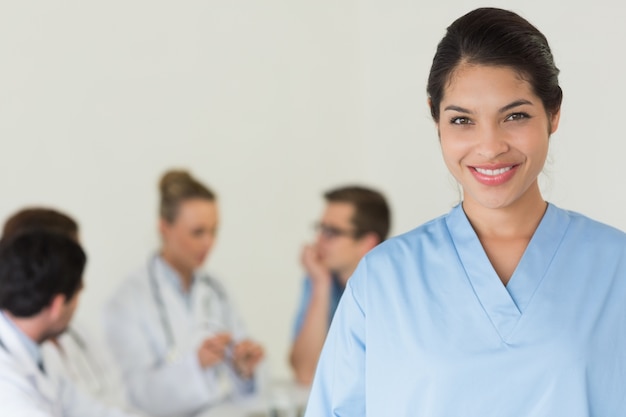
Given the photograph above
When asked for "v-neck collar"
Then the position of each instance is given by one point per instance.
(505, 306)
(172, 279)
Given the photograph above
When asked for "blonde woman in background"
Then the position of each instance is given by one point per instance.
(172, 327)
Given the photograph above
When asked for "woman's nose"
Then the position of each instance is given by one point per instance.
(492, 141)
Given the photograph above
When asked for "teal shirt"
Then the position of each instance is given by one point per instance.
(335, 295)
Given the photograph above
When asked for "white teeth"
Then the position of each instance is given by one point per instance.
(492, 172)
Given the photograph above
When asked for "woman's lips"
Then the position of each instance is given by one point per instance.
(493, 175)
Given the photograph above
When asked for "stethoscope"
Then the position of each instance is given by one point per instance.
(166, 324)
(90, 371)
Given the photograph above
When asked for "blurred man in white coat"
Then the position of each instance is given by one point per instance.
(77, 354)
(40, 283)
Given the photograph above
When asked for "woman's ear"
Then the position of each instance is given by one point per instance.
(554, 120)
(163, 226)
(429, 102)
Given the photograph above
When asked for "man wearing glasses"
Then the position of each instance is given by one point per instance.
(355, 220)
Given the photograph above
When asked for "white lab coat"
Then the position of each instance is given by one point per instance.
(160, 381)
(25, 391)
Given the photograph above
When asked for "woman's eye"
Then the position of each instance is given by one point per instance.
(518, 116)
(460, 121)
(198, 232)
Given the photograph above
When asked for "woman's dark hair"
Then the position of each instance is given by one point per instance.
(35, 266)
(496, 37)
(177, 186)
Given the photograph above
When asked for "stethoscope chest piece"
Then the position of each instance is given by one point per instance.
(172, 355)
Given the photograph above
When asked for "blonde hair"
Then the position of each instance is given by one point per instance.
(177, 186)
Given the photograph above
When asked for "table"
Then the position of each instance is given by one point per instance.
(279, 399)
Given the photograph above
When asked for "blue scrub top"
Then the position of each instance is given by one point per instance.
(426, 328)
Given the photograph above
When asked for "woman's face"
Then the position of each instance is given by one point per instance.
(494, 135)
(189, 238)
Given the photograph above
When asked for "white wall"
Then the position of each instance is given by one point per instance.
(270, 103)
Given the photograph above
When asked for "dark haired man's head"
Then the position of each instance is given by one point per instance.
(41, 270)
(355, 220)
(371, 211)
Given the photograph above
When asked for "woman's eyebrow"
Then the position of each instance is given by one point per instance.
(457, 108)
(516, 103)
(508, 107)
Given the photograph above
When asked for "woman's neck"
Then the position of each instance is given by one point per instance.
(519, 220)
(505, 233)
(184, 274)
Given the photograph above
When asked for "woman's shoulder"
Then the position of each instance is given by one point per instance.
(138, 278)
(131, 289)
(433, 232)
(591, 230)
(389, 267)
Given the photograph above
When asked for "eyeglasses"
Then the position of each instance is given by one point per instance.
(332, 232)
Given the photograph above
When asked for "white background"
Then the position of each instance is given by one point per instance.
(270, 103)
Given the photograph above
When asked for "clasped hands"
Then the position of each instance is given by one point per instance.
(244, 355)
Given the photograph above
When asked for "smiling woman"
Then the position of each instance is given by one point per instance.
(500, 307)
